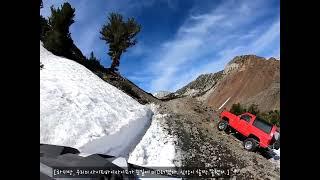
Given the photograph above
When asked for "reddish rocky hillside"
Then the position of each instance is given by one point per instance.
(248, 79)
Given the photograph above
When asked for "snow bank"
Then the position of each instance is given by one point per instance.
(276, 157)
(80, 110)
(157, 147)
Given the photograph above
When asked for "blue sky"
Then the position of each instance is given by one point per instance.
(180, 39)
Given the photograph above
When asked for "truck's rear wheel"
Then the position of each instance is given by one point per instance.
(222, 125)
(250, 144)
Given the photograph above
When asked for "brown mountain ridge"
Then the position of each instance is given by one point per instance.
(247, 79)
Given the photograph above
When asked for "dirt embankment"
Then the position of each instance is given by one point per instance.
(204, 146)
(128, 87)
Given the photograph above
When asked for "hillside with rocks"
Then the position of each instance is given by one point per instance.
(246, 79)
(201, 85)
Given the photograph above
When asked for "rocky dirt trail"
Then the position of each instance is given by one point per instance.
(202, 145)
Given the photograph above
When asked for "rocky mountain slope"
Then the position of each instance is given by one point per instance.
(201, 85)
(246, 79)
(196, 88)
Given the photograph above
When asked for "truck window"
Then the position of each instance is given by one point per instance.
(262, 125)
(246, 117)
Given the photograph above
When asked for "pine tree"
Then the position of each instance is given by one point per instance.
(120, 35)
(44, 27)
(93, 64)
(58, 38)
(92, 57)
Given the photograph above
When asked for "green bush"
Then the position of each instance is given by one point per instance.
(253, 109)
(272, 117)
(237, 109)
(93, 64)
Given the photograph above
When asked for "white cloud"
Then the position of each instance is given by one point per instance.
(270, 35)
(206, 42)
(202, 24)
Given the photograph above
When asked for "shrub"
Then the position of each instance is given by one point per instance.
(272, 117)
(237, 109)
(253, 109)
(128, 89)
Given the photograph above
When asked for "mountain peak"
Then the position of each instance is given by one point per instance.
(243, 58)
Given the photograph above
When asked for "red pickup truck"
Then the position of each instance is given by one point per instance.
(257, 132)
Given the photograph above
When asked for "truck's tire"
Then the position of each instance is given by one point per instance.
(250, 144)
(222, 125)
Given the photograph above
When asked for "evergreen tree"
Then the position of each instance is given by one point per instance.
(120, 35)
(58, 38)
(44, 27)
(93, 64)
(92, 57)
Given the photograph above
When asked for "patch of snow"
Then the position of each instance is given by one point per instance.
(277, 152)
(80, 110)
(276, 157)
(161, 94)
(84, 154)
(157, 147)
(121, 162)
